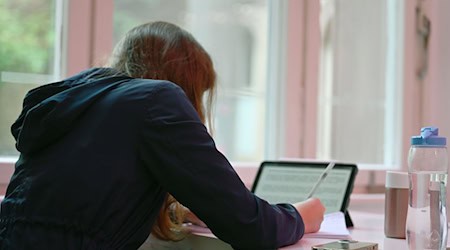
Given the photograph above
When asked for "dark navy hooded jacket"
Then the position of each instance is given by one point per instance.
(99, 152)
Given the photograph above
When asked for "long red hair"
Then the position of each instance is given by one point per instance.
(164, 51)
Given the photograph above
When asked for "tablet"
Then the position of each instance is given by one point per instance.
(292, 181)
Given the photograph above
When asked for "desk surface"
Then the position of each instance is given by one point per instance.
(366, 211)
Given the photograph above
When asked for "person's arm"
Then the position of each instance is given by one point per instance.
(182, 156)
(311, 210)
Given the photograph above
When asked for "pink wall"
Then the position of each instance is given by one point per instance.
(437, 95)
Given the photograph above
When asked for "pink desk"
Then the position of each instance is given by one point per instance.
(366, 210)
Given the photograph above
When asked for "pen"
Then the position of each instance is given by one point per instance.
(321, 178)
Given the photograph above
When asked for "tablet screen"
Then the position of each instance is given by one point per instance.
(291, 182)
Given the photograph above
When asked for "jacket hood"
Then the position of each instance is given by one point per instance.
(50, 111)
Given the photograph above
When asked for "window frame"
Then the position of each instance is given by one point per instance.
(294, 53)
(88, 40)
(297, 134)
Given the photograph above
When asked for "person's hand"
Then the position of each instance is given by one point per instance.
(312, 211)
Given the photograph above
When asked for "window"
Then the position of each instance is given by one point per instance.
(236, 35)
(360, 89)
(29, 56)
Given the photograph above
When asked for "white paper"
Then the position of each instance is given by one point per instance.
(332, 227)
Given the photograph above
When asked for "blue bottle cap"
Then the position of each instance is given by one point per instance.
(428, 137)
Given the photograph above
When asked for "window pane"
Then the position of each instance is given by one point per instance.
(359, 98)
(234, 32)
(27, 38)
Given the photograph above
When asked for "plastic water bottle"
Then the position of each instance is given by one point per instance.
(426, 223)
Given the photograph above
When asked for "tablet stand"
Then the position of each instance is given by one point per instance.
(348, 220)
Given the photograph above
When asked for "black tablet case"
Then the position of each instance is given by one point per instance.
(348, 220)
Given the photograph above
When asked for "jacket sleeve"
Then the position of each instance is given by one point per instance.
(182, 156)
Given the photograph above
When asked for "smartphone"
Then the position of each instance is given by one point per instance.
(346, 245)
